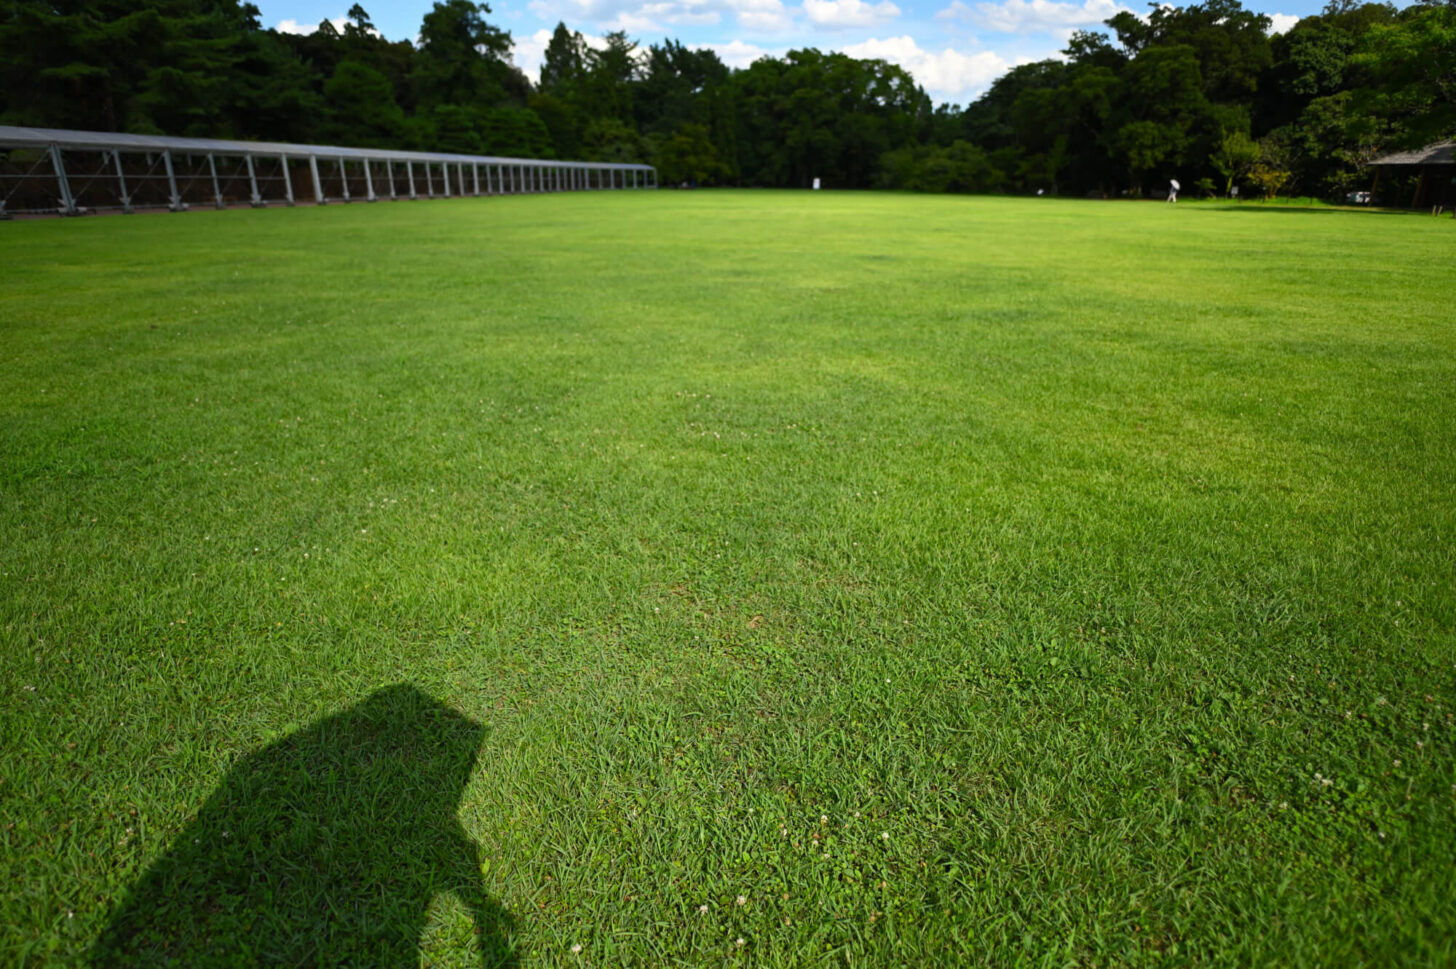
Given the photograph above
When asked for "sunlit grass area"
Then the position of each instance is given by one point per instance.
(728, 577)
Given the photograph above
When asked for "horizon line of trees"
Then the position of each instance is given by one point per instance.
(1202, 93)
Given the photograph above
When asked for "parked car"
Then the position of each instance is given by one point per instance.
(1357, 198)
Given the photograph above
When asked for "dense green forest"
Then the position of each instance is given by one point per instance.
(1201, 92)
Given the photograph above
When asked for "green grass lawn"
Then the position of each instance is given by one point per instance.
(729, 578)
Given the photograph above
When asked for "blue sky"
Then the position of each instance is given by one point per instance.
(954, 48)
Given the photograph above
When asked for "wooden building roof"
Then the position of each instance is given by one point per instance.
(1441, 153)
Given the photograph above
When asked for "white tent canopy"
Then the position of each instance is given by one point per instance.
(116, 167)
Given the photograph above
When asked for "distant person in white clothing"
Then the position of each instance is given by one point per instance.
(1173, 187)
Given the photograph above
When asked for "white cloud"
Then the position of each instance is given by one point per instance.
(632, 22)
(1282, 22)
(946, 74)
(294, 27)
(737, 54)
(850, 13)
(1031, 16)
(762, 16)
(651, 16)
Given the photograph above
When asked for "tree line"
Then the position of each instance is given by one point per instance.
(1202, 92)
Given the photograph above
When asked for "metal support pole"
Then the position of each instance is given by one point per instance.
(176, 205)
(389, 173)
(410, 170)
(344, 179)
(68, 202)
(445, 178)
(287, 179)
(429, 181)
(216, 188)
(369, 182)
(254, 198)
(121, 180)
(318, 186)
(475, 178)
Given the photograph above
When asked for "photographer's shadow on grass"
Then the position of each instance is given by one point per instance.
(324, 848)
